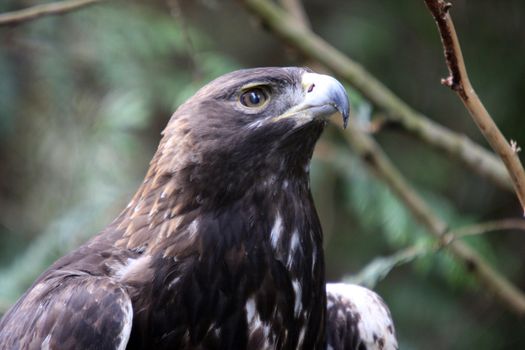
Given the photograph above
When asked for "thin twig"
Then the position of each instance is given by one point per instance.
(485, 227)
(458, 81)
(38, 11)
(459, 146)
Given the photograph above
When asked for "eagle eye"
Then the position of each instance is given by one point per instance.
(254, 97)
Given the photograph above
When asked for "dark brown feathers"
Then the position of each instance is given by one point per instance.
(70, 310)
(221, 246)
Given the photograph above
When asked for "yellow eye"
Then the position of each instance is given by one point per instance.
(255, 97)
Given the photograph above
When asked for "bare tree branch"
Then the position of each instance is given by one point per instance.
(38, 11)
(311, 45)
(296, 9)
(374, 157)
(458, 81)
(370, 152)
(485, 227)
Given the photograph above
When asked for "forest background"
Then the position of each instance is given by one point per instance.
(84, 97)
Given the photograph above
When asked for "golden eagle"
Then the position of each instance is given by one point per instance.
(220, 247)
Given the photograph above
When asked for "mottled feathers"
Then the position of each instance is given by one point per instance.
(70, 310)
(357, 319)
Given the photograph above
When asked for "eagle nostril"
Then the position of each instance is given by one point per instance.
(310, 88)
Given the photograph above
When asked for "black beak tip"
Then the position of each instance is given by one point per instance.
(345, 115)
(342, 103)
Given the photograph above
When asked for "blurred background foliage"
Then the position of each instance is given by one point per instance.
(83, 98)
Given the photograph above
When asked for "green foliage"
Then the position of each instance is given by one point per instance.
(84, 96)
(380, 267)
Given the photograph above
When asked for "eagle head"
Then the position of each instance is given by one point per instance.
(247, 125)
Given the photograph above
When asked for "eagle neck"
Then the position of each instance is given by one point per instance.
(263, 239)
(183, 186)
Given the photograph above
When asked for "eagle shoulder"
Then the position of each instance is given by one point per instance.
(69, 310)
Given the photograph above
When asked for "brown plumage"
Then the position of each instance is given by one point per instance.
(220, 248)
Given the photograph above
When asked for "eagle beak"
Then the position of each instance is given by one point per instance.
(324, 96)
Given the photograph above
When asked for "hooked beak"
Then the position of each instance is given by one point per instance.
(324, 96)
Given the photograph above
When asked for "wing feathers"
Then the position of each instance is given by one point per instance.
(70, 312)
(357, 318)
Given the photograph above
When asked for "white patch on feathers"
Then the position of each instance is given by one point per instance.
(314, 258)
(294, 244)
(295, 241)
(298, 297)
(254, 322)
(375, 323)
(131, 267)
(193, 227)
(256, 124)
(250, 310)
(173, 282)
(302, 333)
(127, 308)
(277, 230)
(45, 343)
(217, 332)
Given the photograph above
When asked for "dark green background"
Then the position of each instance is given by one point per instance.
(83, 98)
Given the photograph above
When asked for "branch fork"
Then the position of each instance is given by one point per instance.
(459, 82)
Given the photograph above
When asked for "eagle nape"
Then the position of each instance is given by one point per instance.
(219, 248)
